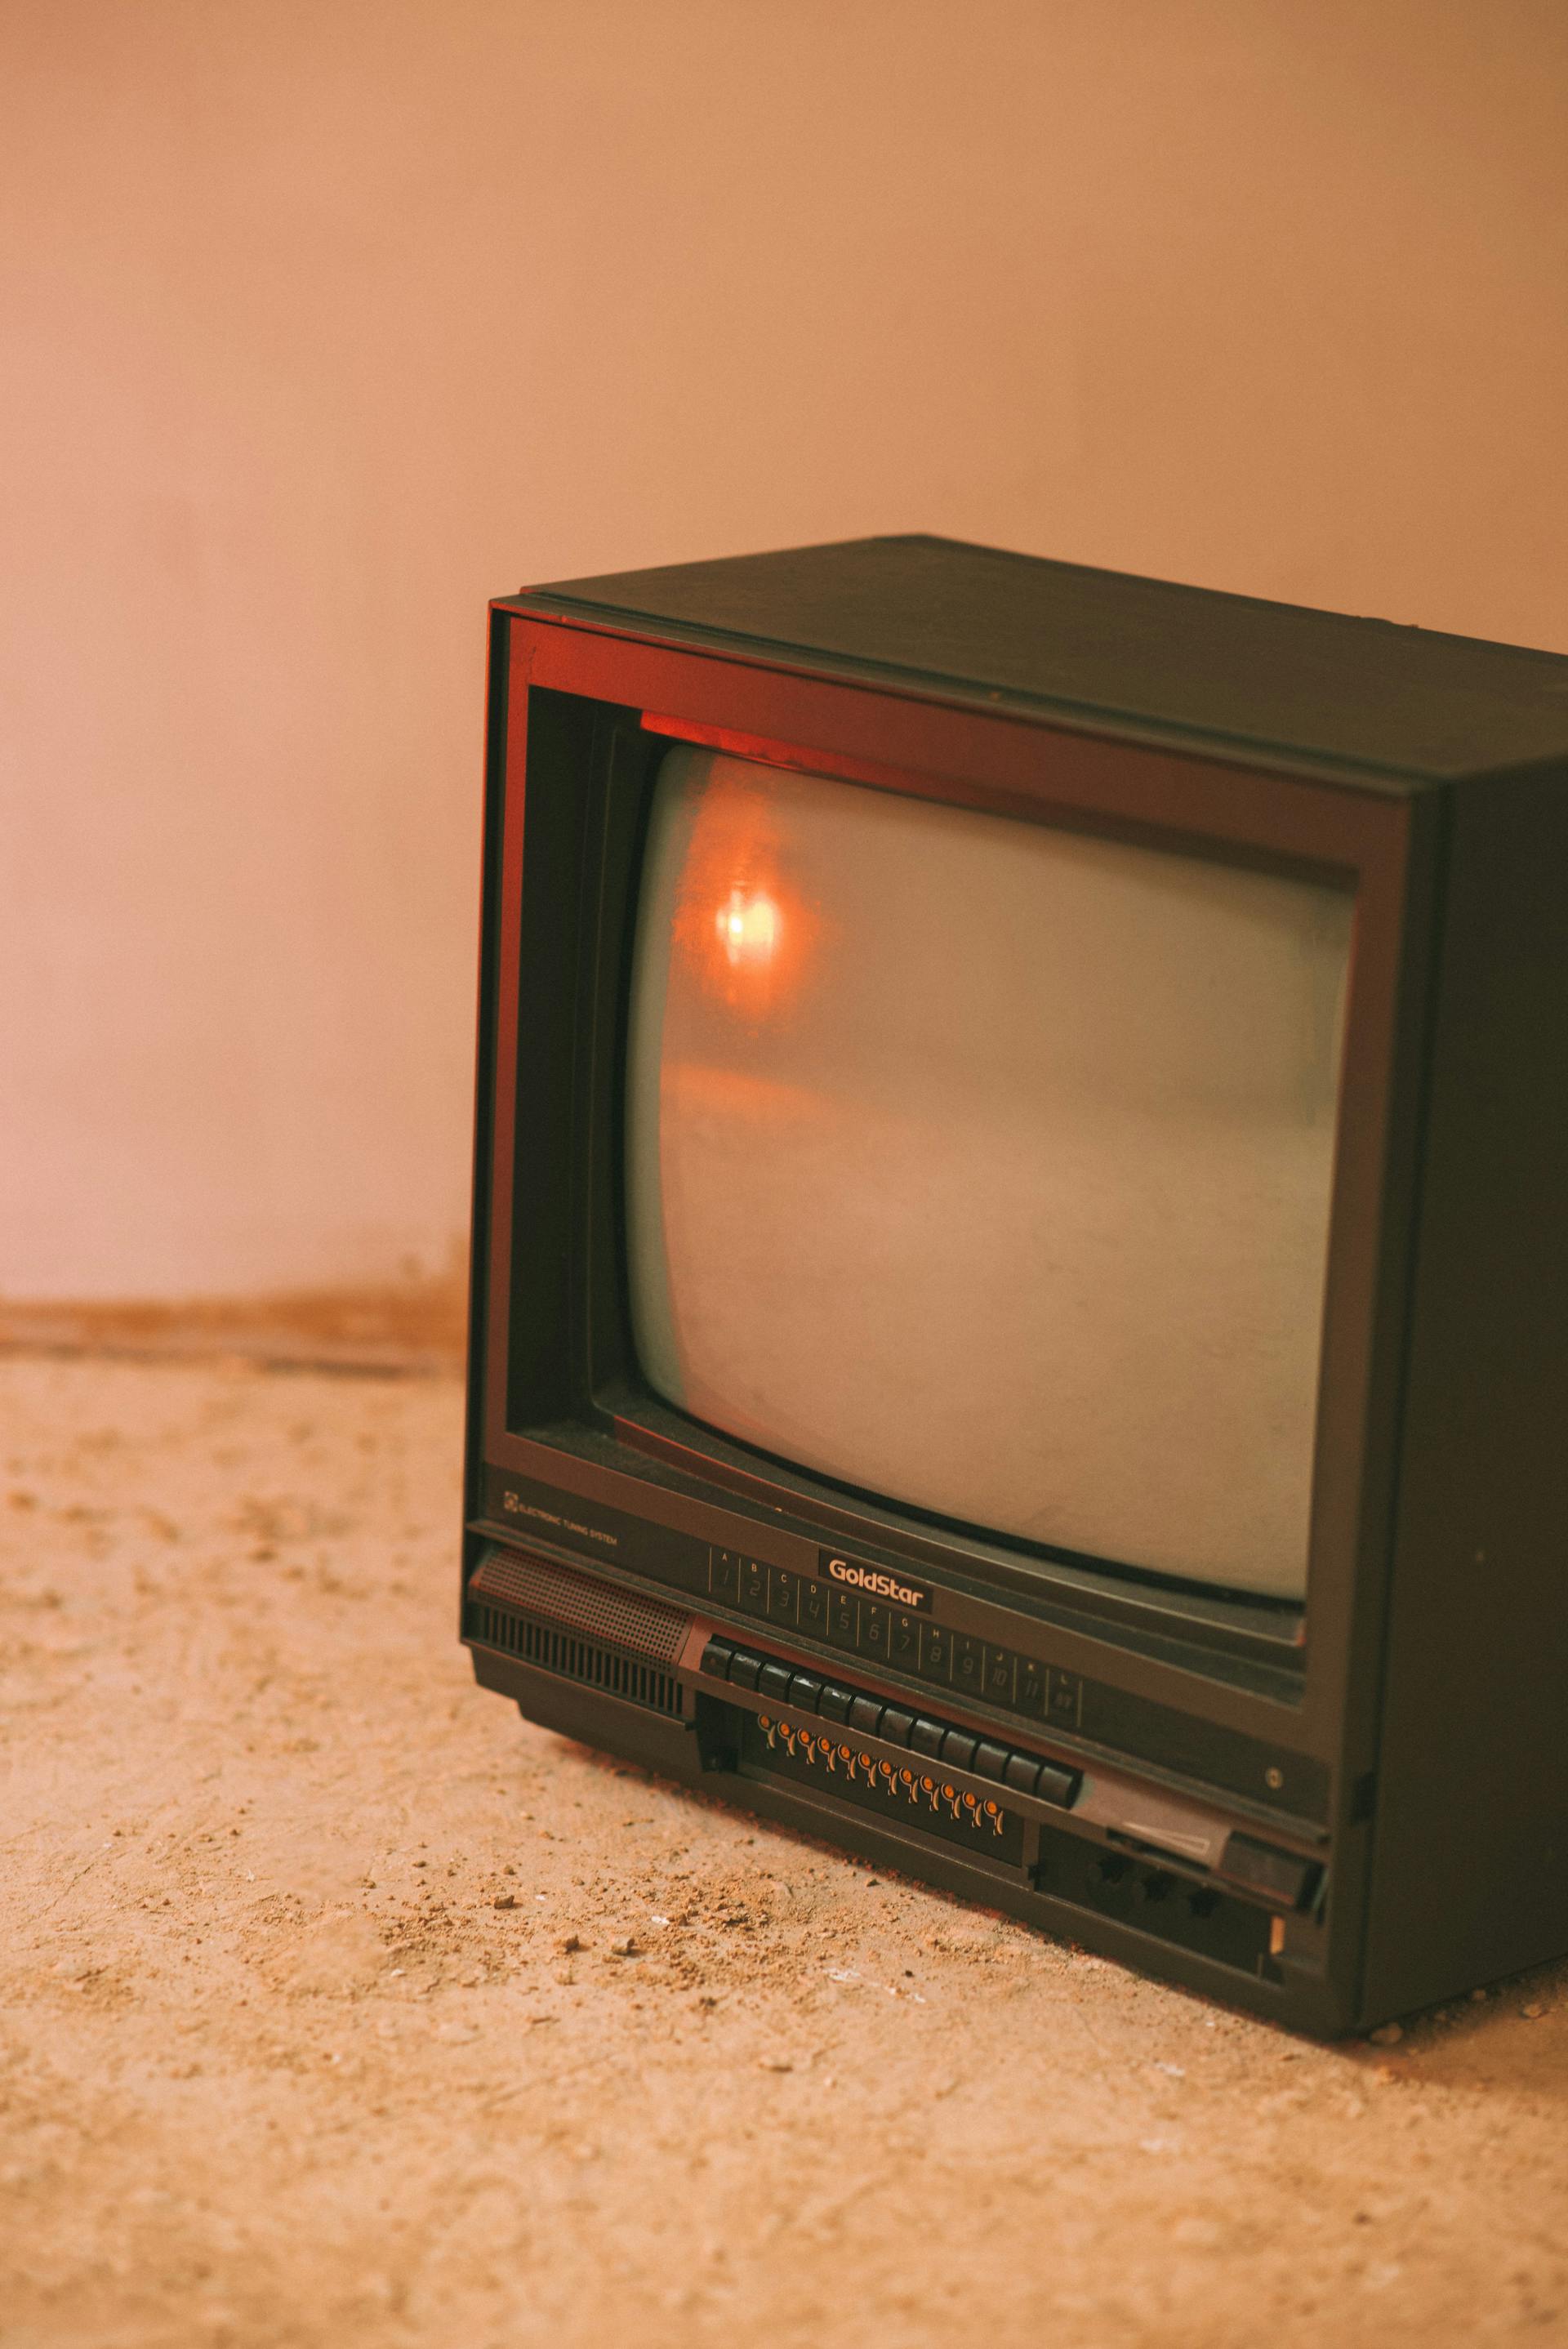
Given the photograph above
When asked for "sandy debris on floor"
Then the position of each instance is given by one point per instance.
(341, 2006)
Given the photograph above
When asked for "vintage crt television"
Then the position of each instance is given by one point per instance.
(1020, 1309)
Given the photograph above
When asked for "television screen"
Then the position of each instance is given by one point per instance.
(985, 1165)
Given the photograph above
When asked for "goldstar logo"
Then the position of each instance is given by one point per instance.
(874, 1580)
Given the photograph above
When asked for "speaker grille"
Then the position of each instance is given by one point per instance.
(624, 1619)
(555, 1649)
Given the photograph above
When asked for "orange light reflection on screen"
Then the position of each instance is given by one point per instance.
(745, 933)
(748, 928)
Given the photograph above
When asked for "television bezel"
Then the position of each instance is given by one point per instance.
(1313, 1682)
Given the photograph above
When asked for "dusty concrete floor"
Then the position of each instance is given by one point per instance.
(340, 2006)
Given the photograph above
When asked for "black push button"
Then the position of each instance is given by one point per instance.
(836, 1701)
(1058, 1786)
(990, 1761)
(926, 1737)
(896, 1725)
(958, 1749)
(716, 1659)
(745, 1669)
(805, 1690)
(1023, 1772)
(773, 1680)
(1277, 1874)
(865, 1714)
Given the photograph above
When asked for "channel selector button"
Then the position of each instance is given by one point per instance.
(958, 1749)
(926, 1737)
(805, 1690)
(865, 1714)
(1066, 1705)
(904, 1641)
(724, 1575)
(1023, 1770)
(774, 1681)
(968, 1664)
(1000, 1666)
(1030, 1696)
(990, 1761)
(745, 1670)
(836, 1701)
(896, 1725)
(935, 1652)
(753, 1593)
(814, 1609)
(783, 1595)
(716, 1659)
(875, 1630)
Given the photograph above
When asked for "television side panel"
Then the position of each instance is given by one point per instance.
(1470, 1871)
(497, 711)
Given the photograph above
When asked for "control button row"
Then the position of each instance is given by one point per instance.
(960, 1749)
(894, 1637)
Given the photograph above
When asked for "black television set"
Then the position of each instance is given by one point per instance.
(1020, 1299)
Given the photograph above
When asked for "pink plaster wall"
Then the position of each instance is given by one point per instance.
(323, 322)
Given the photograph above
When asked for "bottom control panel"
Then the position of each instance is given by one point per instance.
(1089, 1837)
(1000, 1801)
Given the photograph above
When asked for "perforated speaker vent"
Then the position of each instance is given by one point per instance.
(536, 1587)
(553, 1649)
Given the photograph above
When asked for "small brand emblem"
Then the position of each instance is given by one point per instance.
(874, 1581)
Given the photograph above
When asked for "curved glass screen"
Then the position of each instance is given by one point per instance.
(986, 1166)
